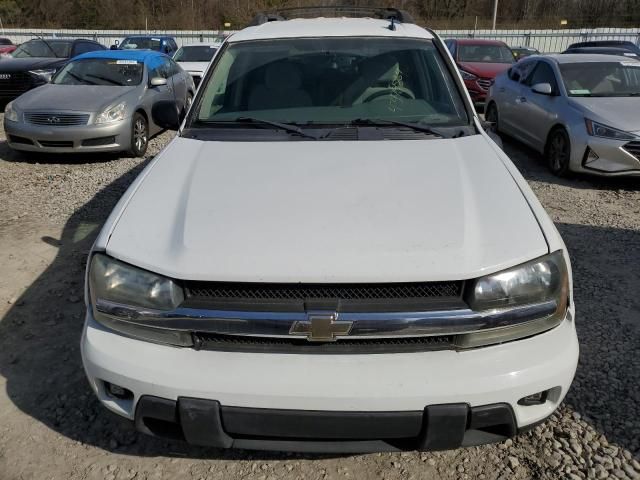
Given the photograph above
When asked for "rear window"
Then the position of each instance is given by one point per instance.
(43, 48)
(198, 53)
(485, 54)
(142, 43)
(332, 81)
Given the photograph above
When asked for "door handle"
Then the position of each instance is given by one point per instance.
(521, 100)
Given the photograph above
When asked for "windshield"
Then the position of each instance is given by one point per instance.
(200, 53)
(101, 71)
(602, 79)
(42, 48)
(141, 43)
(332, 81)
(485, 54)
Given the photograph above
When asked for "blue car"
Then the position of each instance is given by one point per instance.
(159, 43)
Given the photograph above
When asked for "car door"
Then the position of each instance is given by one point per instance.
(507, 91)
(179, 82)
(538, 112)
(156, 67)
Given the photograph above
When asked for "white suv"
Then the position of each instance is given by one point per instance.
(332, 255)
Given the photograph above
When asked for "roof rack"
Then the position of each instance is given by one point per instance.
(384, 13)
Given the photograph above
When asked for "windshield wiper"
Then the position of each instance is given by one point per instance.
(419, 127)
(105, 79)
(260, 122)
(49, 47)
(81, 79)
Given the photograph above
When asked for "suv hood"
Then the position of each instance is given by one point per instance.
(9, 65)
(81, 98)
(486, 70)
(616, 112)
(367, 211)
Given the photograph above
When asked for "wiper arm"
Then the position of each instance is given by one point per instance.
(81, 79)
(112, 82)
(413, 125)
(49, 47)
(283, 126)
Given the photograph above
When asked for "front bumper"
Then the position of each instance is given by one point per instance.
(84, 138)
(424, 385)
(606, 157)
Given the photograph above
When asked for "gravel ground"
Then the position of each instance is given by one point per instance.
(51, 427)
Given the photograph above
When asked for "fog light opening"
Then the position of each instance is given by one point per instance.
(590, 157)
(116, 391)
(534, 399)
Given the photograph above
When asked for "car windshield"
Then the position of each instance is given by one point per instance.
(331, 81)
(484, 53)
(602, 79)
(196, 53)
(101, 71)
(141, 43)
(43, 48)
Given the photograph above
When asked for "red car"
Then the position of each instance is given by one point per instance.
(479, 62)
(6, 46)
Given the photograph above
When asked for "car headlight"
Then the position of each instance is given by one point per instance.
(44, 74)
(10, 113)
(467, 75)
(596, 129)
(113, 114)
(114, 283)
(544, 281)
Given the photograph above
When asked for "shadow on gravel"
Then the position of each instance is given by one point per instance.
(40, 357)
(533, 166)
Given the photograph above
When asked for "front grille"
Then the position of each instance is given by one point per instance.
(344, 346)
(485, 83)
(56, 144)
(304, 292)
(633, 148)
(15, 83)
(53, 119)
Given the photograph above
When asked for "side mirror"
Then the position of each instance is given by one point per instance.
(542, 88)
(165, 114)
(158, 82)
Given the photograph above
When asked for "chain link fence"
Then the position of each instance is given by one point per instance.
(546, 41)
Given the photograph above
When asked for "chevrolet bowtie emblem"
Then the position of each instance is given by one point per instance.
(321, 327)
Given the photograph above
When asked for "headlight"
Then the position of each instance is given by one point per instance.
(467, 75)
(113, 114)
(10, 113)
(541, 281)
(598, 130)
(45, 73)
(114, 283)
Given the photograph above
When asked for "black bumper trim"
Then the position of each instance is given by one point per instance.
(439, 427)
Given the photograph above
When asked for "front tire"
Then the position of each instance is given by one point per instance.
(139, 135)
(558, 152)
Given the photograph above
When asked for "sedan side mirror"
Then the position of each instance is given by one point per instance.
(165, 114)
(158, 81)
(542, 88)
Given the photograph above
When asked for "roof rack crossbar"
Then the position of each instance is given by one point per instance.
(384, 13)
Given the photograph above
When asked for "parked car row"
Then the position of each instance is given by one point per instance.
(73, 95)
(99, 101)
(580, 110)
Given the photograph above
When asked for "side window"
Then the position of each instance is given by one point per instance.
(451, 45)
(525, 70)
(84, 47)
(174, 68)
(543, 74)
(158, 67)
(514, 73)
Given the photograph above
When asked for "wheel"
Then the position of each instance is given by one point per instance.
(491, 116)
(558, 152)
(139, 135)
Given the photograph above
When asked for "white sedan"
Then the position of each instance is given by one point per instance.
(195, 59)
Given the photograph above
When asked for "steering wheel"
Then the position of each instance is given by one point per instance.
(400, 91)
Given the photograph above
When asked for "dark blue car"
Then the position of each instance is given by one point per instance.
(159, 43)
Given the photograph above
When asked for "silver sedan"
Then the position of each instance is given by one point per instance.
(100, 101)
(581, 111)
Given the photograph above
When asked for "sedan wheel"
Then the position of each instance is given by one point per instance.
(139, 135)
(559, 152)
(491, 116)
